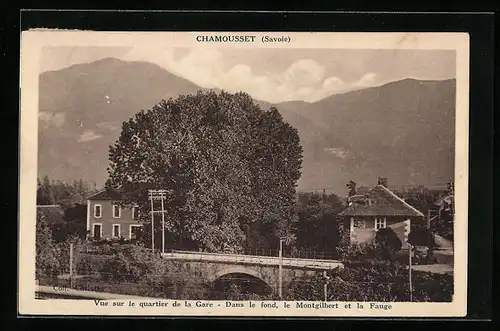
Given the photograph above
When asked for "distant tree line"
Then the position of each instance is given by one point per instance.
(52, 192)
(70, 219)
(421, 198)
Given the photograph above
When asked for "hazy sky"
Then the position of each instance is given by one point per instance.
(274, 75)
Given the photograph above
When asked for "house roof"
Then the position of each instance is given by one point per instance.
(54, 214)
(106, 194)
(356, 197)
(382, 202)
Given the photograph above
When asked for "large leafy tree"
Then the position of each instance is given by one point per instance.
(230, 169)
(317, 228)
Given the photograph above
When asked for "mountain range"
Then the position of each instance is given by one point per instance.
(402, 130)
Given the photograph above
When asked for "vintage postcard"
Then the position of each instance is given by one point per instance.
(243, 174)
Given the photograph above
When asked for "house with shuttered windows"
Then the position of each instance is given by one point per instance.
(376, 209)
(106, 219)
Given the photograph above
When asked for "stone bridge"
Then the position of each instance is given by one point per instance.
(213, 266)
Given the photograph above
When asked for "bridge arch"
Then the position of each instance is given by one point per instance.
(238, 270)
(248, 280)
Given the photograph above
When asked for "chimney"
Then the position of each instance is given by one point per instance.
(352, 188)
(382, 181)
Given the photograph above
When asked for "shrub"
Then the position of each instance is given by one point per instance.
(349, 251)
(422, 237)
(133, 264)
(46, 262)
(139, 267)
(52, 257)
(89, 264)
(388, 243)
(374, 281)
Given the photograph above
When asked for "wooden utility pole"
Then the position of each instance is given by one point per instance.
(162, 223)
(152, 222)
(158, 195)
(407, 233)
(71, 265)
(280, 288)
(409, 273)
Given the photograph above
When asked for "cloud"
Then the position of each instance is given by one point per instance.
(89, 135)
(367, 80)
(303, 73)
(304, 79)
(338, 152)
(333, 83)
(51, 119)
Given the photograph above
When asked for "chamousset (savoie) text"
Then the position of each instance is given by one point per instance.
(242, 39)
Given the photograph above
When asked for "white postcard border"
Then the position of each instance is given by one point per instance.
(31, 46)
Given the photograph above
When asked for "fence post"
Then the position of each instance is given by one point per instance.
(71, 265)
(409, 273)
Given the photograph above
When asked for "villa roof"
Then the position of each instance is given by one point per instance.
(380, 201)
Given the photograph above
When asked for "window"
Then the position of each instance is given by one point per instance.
(116, 230)
(97, 231)
(116, 211)
(380, 223)
(135, 213)
(135, 232)
(359, 224)
(97, 211)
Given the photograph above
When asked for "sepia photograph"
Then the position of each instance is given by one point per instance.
(222, 172)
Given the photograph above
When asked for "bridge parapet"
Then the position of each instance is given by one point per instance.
(253, 259)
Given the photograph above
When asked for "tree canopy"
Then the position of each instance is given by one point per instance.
(422, 237)
(231, 168)
(317, 228)
(51, 192)
(388, 243)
